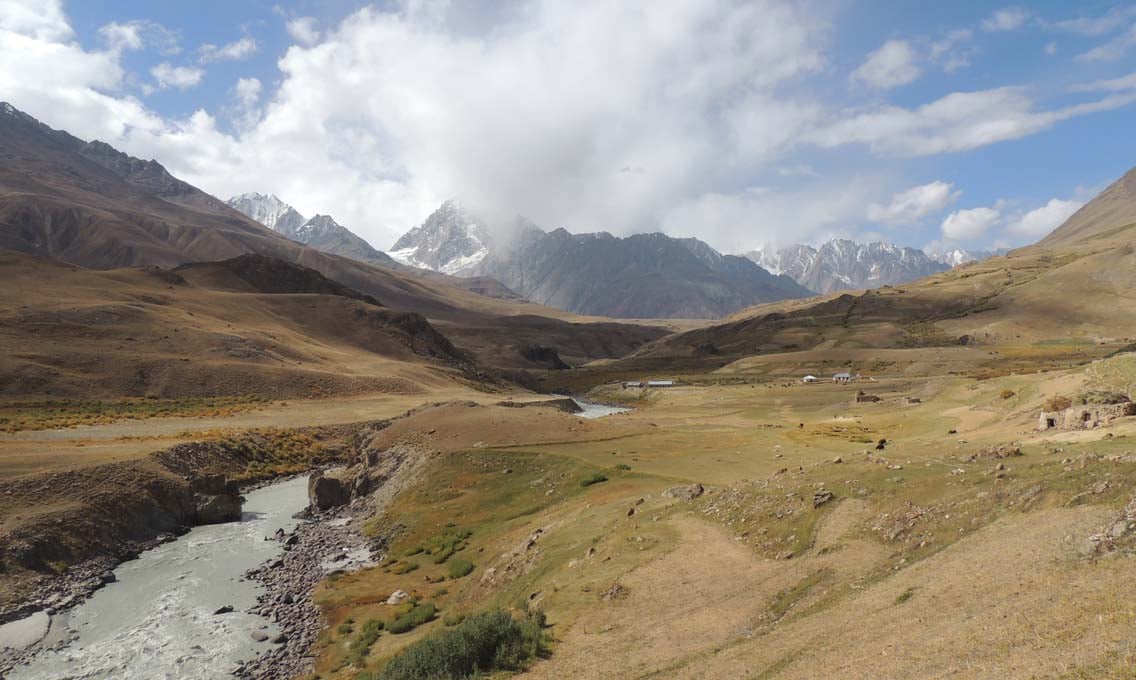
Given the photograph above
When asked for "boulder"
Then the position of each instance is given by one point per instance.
(218, 508)
(685, 493)
(397, 596)
(326, 492)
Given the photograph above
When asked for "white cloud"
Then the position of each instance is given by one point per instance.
(1006, 19)
(1039, 222)
(957, 122)
(180, 77)
(1121, 84)
(954, 50)
(304, 29)
(1113, 49)
(1050, 48)
(248, 92)
(915, 203)
(1098, 25)
(965, 225)
(892, 65)
(232, 52)
(137, 35)
(798, 170)
(42, 20)
(738, 222)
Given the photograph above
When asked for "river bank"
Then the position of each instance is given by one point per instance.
(180, 610)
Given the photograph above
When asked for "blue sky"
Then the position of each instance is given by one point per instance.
(743, 123)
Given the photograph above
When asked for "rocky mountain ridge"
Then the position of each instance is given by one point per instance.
(320, 232)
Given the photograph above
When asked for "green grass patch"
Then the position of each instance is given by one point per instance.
(594, 478)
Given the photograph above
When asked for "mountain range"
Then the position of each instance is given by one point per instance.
(841, 264)
(639, 276)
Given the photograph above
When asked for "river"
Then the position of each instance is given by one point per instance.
(590, 409)
(157, 622)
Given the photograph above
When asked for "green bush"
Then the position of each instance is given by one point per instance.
(623, 466)
(459, 568)
(594, 478)
(483, 643)
(361, 646)
(404, 567)
(422, 613)
(452, 619)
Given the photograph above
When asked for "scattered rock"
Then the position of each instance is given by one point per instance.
(227, 609)
(822, 497)
(259, 636)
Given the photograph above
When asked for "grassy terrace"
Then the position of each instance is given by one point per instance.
(947, 517)
(18, 416)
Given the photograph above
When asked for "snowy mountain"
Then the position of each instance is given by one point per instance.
(645, 275)
(450, 241)
(841, 264)
(953, 257)
(269, 211)
(320, 232)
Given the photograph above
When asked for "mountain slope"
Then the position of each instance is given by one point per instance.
(1072, 295)
(841, 264)
(1106, 216)
(641, 276)
(58, 203)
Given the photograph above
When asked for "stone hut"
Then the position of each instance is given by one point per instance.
(1084, 417)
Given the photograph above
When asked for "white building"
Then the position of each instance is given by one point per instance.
(809, 379)
(842, 378)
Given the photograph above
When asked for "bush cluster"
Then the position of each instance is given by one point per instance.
(483, 643)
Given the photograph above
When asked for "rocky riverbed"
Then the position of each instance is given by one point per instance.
(328, 543)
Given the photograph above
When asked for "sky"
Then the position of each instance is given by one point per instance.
(744, 123)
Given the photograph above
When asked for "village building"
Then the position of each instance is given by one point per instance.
(660, 383)
(842, 378)
(809, 379)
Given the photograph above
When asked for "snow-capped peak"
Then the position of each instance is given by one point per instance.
(270, 211)
(451, 241)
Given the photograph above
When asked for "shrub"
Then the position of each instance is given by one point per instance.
(452, 619)
(361, 646)
(404, 567)
(459, 568)
(1007, 394)
(422, 613)
(483, 643)
(623, 466)
(1057, 403)
(594, 478)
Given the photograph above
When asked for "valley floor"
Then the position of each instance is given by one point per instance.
(967, 545)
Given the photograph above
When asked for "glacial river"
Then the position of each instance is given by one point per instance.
(157, 622)
(594, 410)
